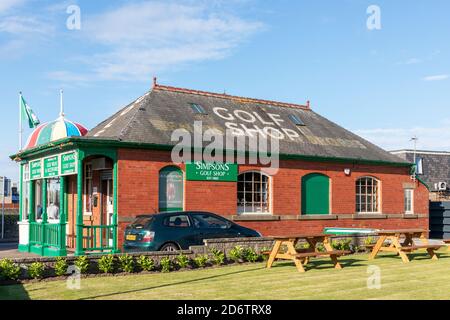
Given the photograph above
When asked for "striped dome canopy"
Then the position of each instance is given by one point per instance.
(55, 130)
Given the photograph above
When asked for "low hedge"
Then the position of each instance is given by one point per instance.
(113, 264)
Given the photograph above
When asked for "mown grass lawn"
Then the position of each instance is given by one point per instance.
(422, 278)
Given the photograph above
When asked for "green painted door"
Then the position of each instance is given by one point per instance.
(315, 194)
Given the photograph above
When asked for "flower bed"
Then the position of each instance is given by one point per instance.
(44, 269)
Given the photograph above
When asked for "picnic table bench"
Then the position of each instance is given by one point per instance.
(447, 243)
(407, 246)
(301, 256)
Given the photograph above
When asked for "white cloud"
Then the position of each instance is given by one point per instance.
(433, 138)
(6, 5)
(439, 77)
(140, 39)
(19, 25)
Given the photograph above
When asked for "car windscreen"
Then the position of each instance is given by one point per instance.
(141, 222)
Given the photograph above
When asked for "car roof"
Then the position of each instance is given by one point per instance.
(162, 214)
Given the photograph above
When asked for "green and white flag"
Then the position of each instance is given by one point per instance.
(28, 114)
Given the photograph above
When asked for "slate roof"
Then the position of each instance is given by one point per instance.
(435, 165)
(153, 117)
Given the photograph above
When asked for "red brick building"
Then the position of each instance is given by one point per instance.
(327, 176)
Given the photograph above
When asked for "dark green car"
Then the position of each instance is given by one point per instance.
(179, 230)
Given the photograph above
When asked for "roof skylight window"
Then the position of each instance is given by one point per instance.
(198, 108)
(296, 120)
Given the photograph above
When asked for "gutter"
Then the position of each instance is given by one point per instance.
(424, 183)
(88, 141)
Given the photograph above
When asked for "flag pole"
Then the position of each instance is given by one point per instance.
(61, 113)
(20, 122)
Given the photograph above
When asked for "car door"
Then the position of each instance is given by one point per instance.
(209, 226)
(178, 228)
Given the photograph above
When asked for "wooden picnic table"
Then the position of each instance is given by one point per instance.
(301, 257)
(407, 246)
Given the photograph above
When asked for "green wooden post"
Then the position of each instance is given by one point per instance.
(115, 214)
(79, 251)
(62, 217)
(44, 201)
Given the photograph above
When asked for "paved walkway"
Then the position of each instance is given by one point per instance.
(9, 250)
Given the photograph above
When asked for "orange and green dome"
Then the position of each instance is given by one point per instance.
(55, 130)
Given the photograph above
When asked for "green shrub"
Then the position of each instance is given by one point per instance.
(127, 263)
(36, 270)
(304, 245)
(265, 257)
(166, 264)
(146, 263)
(106, 264)
(344, 244)
(61, 266)
(218, 257)
(369, 241)
(236, 254)
(82, 264)
(250, 255)
(320, 247)
(9, 270)
(183, 261)
(201, 260)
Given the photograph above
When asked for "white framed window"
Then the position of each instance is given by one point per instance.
(53, 199)
(409, 201)
(88, 190)
(253, 193)
(367, 195)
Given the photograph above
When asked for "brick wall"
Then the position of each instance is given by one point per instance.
(138, 173)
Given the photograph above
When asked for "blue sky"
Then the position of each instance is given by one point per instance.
(386, 85)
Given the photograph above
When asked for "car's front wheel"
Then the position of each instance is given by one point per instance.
(170, 247)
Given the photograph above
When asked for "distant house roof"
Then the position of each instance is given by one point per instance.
(435, 165)
(153, 117)
(429, 152)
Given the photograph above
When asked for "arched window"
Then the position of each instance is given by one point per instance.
(367, 195)
(170, 189)
(253, 192)
(315, 194)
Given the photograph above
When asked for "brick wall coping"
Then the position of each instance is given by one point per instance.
(325, 217)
